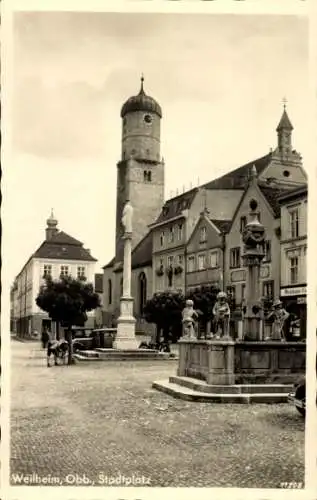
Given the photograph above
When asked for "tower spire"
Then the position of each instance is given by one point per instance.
(142, 82)
(284, 132)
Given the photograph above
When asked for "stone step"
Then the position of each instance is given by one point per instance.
(102, 354)
(88, 353)
(202, 386)
(181, 392)
(79, 357)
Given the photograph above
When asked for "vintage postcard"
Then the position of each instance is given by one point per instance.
(159, 316)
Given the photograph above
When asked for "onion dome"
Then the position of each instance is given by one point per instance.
(141, 102)
(51, 221)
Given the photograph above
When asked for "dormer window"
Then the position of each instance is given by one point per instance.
(203, 234)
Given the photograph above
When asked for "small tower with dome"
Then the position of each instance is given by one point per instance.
(51, 226)
(140, 172)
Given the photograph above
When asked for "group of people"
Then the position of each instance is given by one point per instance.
(221, 314)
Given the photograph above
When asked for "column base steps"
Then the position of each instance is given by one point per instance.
(101, 354)
(190, 389)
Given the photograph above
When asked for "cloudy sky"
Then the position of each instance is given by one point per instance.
(220, 80)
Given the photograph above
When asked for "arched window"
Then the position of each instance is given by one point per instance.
(109, 292)
(142, 291)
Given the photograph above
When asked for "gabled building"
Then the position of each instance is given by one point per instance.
(293, 254)
(205, 252)
(59, 255)
(269, 216)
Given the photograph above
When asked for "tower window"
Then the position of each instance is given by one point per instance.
(148, 118)
(147, 175)
(286, 173)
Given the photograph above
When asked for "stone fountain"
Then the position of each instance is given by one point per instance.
(247, 371)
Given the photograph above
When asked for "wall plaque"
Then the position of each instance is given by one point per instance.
(238, 275)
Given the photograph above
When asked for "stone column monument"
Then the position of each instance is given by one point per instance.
(253, 239)
(125, 338)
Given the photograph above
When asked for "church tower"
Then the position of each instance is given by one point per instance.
(285, 167)
(140, 172)
(284, 135)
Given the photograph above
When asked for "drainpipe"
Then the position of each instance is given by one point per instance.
(223, 246)
(25, 291)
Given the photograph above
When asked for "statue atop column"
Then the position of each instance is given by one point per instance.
(253, 238)
(127, 217)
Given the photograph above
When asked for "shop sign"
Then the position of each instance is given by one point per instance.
(292, 292)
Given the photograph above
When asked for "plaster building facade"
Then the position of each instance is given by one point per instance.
(293, 254)
(167, 251)
(58, 255)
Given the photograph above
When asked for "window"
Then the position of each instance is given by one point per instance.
(161, 262)
(171, 235)
(64, 270)
(180, 232)
(293, 270)
(80, 272)
(294, 218)
(180, 260)
(47, 271)
(268, 288)
(191, 264)
(121, 287)
(170, 260)
(267, 251)
(243, 292)
(201, 262)
(235, 257)
(243, 223)
(147, 175)
(162, 239)
(142, 291)
(109, 292)
(203, 234)
(213, 259)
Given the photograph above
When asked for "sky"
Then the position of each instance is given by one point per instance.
(220, 80)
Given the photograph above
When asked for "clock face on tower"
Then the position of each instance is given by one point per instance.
(148, 119)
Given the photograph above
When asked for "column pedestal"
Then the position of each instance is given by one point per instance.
(125, 338)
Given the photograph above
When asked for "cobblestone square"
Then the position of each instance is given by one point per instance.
(101, 420)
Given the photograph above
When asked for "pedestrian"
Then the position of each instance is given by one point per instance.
(45, 338)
